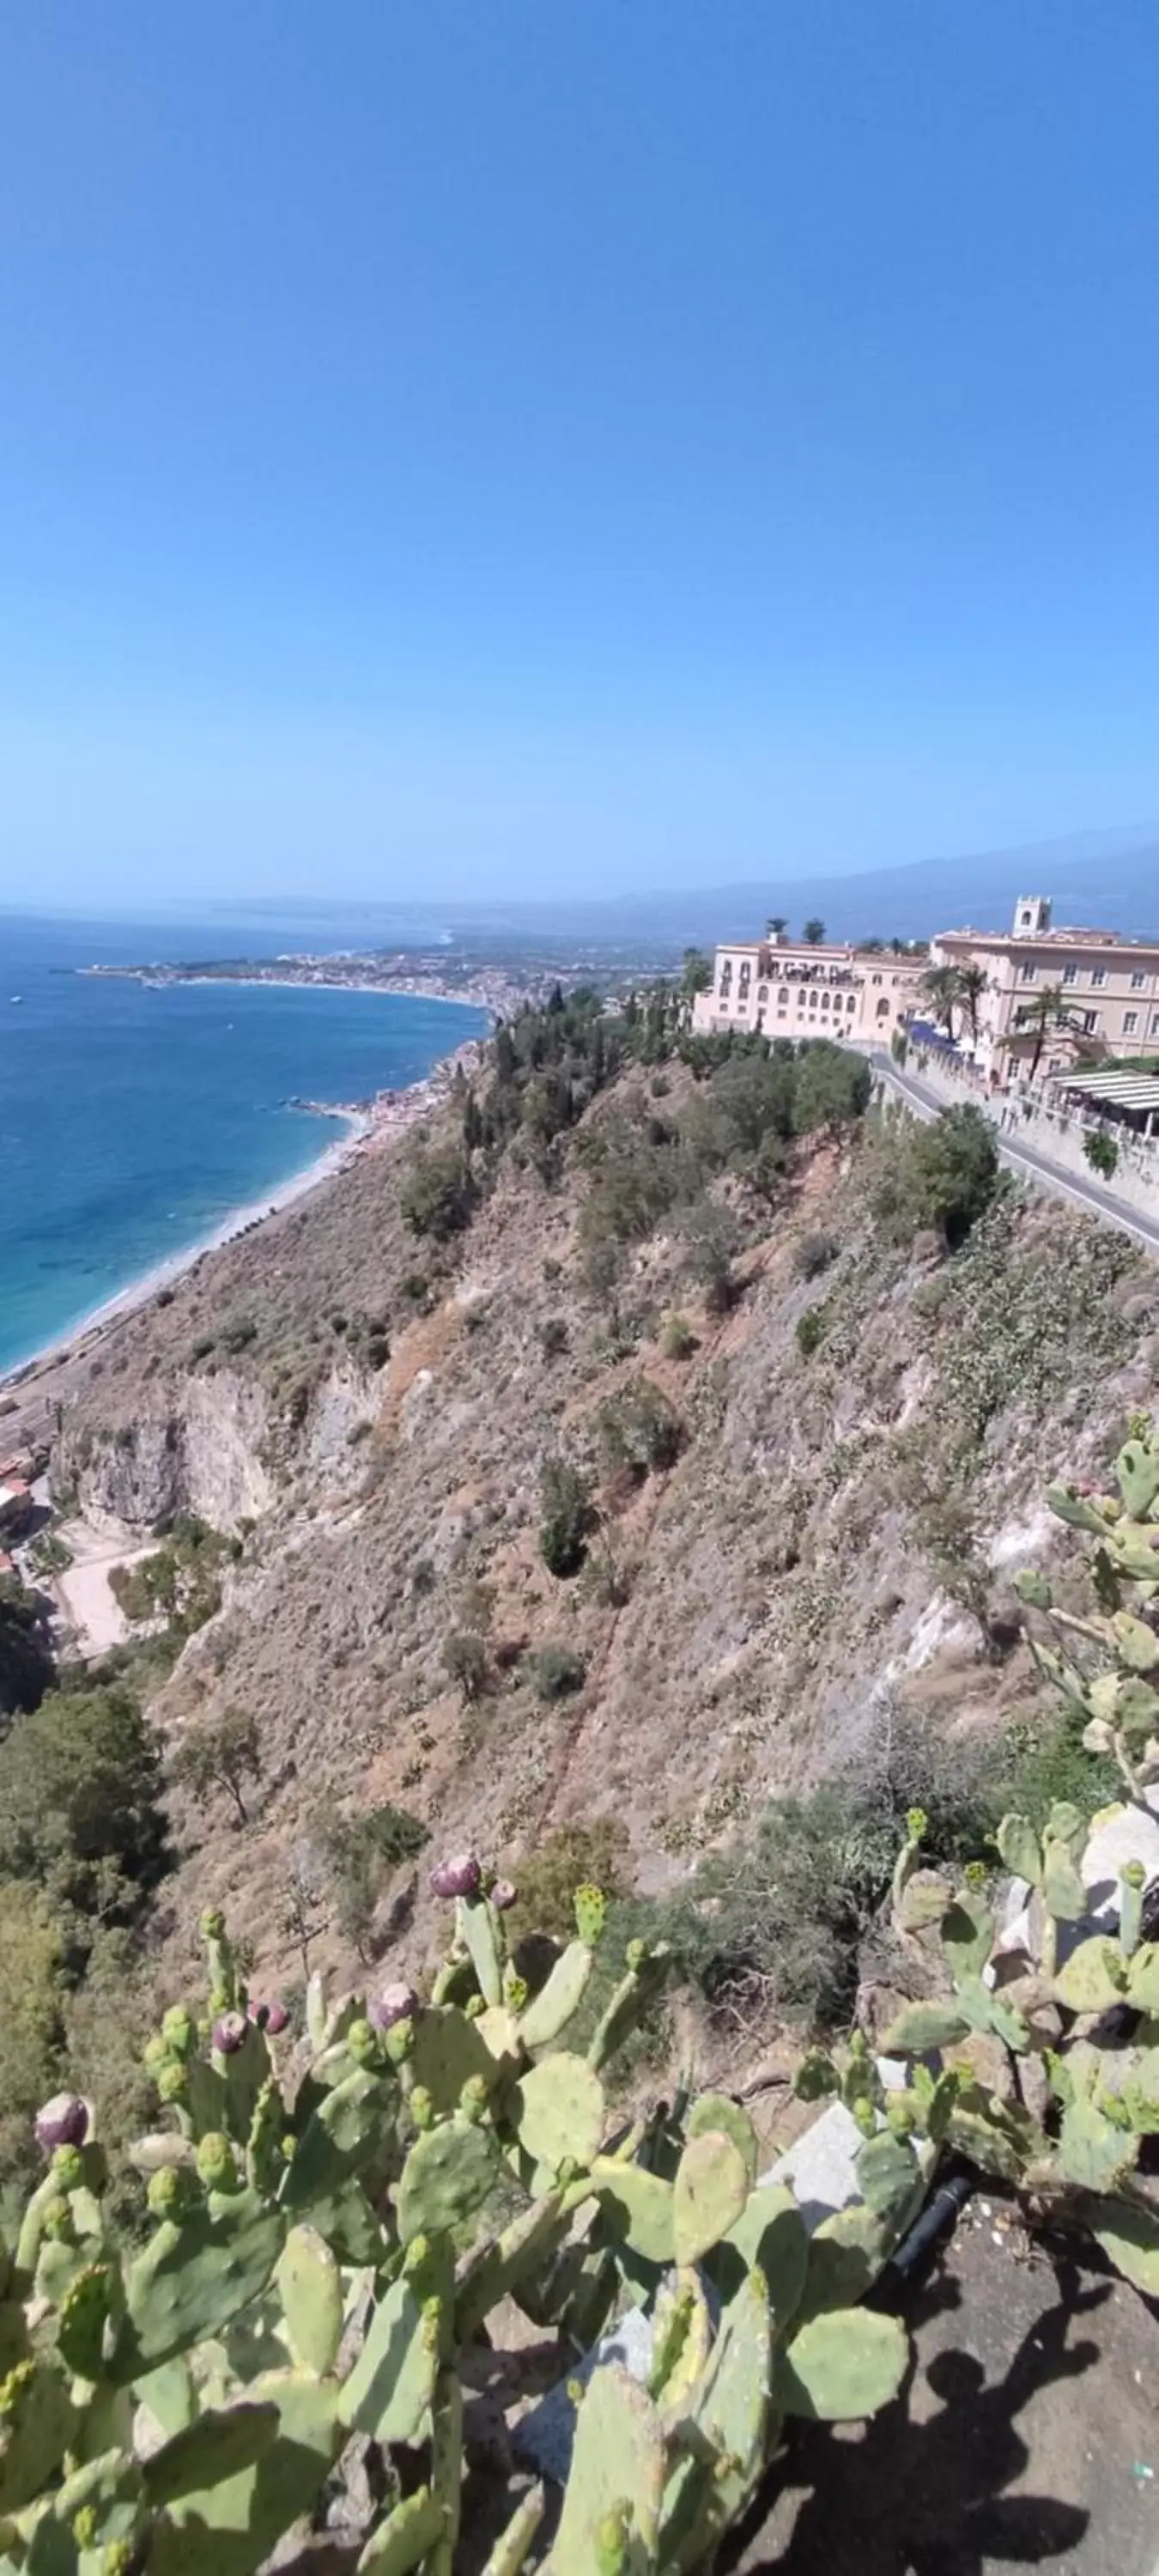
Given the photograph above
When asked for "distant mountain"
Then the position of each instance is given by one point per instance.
(1107, 880)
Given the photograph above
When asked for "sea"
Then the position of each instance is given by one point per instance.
(135, 1119)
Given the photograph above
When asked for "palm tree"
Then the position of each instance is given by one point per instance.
(943, 987)
(776, 925)
(871, 947)
(813, 934)
(973, 981)
(1047, 1009)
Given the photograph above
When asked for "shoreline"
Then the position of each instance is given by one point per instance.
(160, 979)
(367, 1131)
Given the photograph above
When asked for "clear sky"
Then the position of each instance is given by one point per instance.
(538, 445)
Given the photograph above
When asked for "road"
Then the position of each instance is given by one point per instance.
(1024, 1160)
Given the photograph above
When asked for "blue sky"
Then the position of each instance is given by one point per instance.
(543, 445)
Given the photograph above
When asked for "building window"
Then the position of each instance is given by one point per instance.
(1070, 974)
(1130, 1023)
(1098, 974)
(851, 1002)
(1155, 1024)
(824, 1001)
(875, 979)
(1029, 971)
(1090, 1022)
(762, 992)
(883, 1008)
(1138, 981)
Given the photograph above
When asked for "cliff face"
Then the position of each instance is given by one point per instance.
(834, 1536)
(212, 1445)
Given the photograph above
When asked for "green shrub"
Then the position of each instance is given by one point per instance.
(566, 1506)
(359, 1856)
(438, 1194)
(814, 1254)
(810, 1331)
(679, 1341)
(559, 1672)
(568, 1857)
(553, 1337)
(641, 1430)
(80, 1801)
(222, 1753)
(942, 1175)
(1102, 1153)
(465, 1660)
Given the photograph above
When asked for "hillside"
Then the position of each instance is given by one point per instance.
(797, 1529)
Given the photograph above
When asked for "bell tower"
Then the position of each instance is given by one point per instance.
(1031, 916)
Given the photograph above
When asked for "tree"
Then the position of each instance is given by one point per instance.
(359, 1856)
(776, 925)
(80, 1801)
(942, 987)
(31, 2029)
(973, 981)
(566, 1505)
(438, 1195)
(696, 976)
(832, 1088)
(955, 1168)
(465, 1660)
(222, 1753)
(1046, 1010)
(813, 933)
(25, 1659)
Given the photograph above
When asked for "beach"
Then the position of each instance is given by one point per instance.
(368, 1129)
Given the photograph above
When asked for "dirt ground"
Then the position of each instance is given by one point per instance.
(88, 1604)
(1027, 2434)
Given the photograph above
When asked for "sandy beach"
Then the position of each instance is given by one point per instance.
(366, 1131)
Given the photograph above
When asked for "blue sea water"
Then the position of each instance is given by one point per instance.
(133, 1120)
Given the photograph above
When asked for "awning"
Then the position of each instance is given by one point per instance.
(1113, 1090)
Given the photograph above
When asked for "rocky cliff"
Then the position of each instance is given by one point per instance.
(824, 1532)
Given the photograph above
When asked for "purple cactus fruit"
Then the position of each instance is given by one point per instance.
(272, 2018)
(459, 1876)
(395, 2003)
(503, 1895)
(63, 2122)
(230, 2033)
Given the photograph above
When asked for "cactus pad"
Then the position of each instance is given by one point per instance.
(638, 2208)
(842, 2366)
(550, 2011)
(446, 2178)
(709, 2194)
(311, 2293)
(232, 2523)
(447, 2051)
(402, 2540)
(477, 1927)
(36, 2427)
(716, 2111)
(557, 2110)
(617, 2466)
(1129, 2236)
(190, 2280)
(392, 2383)
(770, 2232)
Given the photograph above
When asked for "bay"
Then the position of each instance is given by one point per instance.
(134, 1120)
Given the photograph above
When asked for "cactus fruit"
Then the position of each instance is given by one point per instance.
(550, 2011)
(459, 1876)
(504, 1894)
(230, 2033)
(841, 2366)
(617, 2469)
(63, 2122)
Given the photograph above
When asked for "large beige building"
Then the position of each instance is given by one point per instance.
(789, 988)
(1032, 993)
(1060, 996)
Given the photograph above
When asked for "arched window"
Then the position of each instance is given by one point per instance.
(851, 1001)
(762, 992)
(824, 1001)
(883, 1009)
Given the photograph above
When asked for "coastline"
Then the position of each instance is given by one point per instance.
(160, 979)
(367, 1131)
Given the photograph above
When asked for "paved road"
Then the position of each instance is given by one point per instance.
(1025, 1160)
